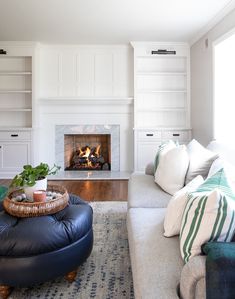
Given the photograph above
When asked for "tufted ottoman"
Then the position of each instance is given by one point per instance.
(34, 250)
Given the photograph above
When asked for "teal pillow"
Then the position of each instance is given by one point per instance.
(3, 192)
(219, 249)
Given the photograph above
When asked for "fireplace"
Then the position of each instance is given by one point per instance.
(87, 152)
(69, 138)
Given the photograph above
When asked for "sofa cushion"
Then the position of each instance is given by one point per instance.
(156, 261)
(143, 192)
(172, 168)
(200, 160)
(149, 169)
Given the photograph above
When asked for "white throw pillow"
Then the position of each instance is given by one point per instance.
(162, 149)
(200, 160)
(176, 206)
(208, 216)
(172, 168)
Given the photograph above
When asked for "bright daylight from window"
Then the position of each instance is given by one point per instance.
(224, 97)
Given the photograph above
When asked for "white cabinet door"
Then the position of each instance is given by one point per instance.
(13, 156)
(146, 152)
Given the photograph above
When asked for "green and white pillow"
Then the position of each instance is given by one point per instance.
(208, 216)
(176, 206)
(162, 149)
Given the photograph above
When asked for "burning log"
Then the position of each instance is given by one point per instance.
(101, 160)
(89, 158)
(93, 151)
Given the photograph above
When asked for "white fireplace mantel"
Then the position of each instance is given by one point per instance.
(112, 130)
(55, 113)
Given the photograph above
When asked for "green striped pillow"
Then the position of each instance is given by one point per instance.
(164, 147)
(208, 216)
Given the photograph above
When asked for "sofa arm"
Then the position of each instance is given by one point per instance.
(149, 169)
(192, 281)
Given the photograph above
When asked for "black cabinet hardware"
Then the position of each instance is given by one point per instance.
(14, 135)
(3, 52)
(163, 52)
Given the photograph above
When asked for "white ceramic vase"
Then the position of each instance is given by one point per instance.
(40, 185)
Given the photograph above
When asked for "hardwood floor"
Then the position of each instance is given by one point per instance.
(115, 190)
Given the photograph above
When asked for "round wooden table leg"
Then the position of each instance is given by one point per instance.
(4, 292)
(71, 276)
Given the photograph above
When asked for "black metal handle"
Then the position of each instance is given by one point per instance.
(176, 135)
(163, 52)
(14, 135)
(149, 135)
(3, 52)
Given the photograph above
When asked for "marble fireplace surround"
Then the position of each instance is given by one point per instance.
(113, 130)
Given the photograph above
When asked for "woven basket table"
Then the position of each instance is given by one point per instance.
(34, 209)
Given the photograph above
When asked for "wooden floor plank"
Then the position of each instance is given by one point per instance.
(92, 190)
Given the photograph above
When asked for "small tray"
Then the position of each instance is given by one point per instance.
(34, 209)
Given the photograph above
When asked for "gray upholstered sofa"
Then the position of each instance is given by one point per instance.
(157, 267)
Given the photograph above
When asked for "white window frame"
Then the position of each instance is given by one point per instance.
(214, 44)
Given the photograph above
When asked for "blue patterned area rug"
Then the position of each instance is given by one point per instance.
(107, 272)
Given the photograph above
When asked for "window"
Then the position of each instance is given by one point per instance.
(224, 89)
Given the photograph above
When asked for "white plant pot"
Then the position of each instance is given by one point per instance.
(40, 185)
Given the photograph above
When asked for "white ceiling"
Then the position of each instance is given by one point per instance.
(106, 21)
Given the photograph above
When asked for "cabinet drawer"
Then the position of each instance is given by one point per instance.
(15, 135)
(149, 135)
(176, 135)
(13, 156)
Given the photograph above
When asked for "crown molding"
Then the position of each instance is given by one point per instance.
(213, 22)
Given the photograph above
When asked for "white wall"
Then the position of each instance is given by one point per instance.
(85, 71)
(202, 80)
(85, 85)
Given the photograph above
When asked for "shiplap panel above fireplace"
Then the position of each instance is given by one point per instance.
(85, 71)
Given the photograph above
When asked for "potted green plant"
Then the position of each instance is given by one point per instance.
(33, 178)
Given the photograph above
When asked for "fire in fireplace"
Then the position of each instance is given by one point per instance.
(89, 158)
(87, 152)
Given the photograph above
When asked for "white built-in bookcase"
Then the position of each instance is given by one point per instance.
(16, 91)
(161, 97)
(16, 106)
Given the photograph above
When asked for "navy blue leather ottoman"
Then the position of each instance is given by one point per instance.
(38, 249)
